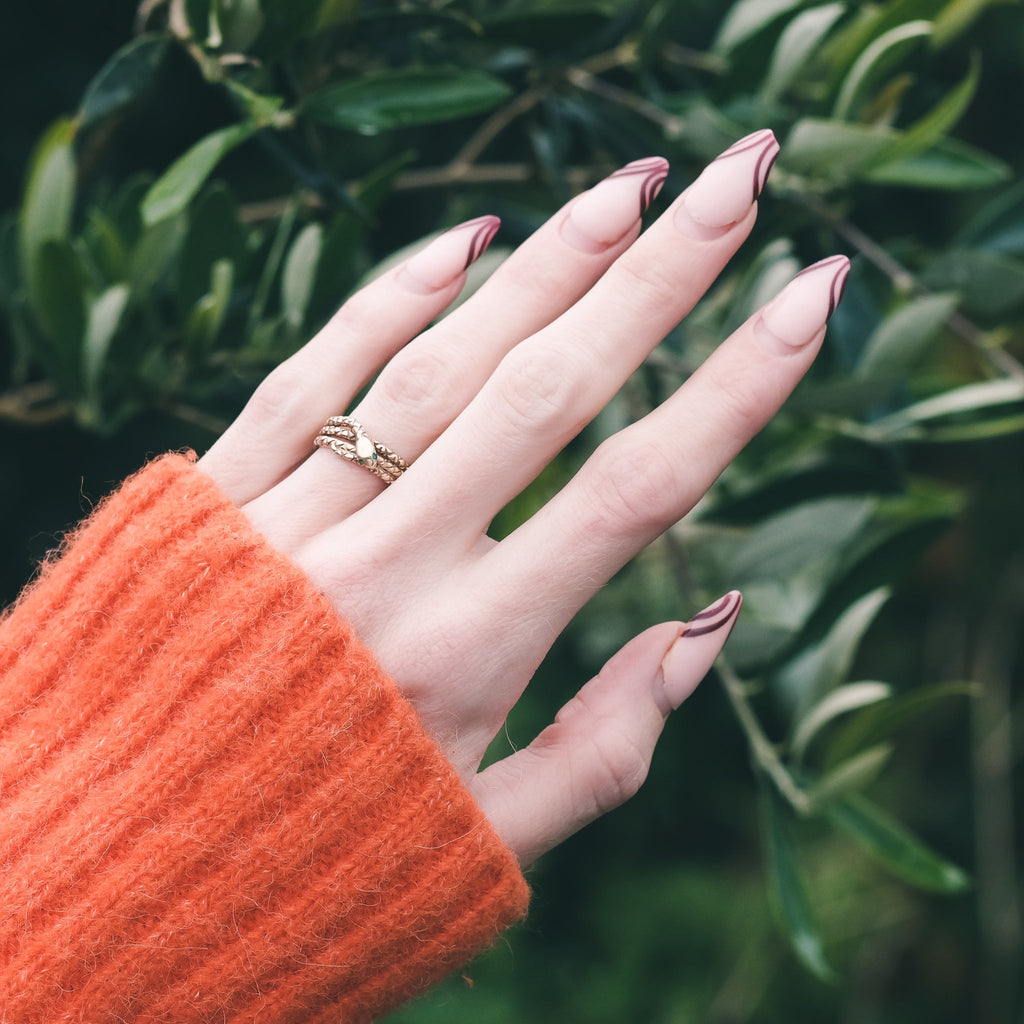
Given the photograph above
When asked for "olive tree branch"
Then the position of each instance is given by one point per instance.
(905, 281)
(762, 750)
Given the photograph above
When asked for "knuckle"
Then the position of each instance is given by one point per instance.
(539, 388)
(282, 397)
(358, 313)
(738, 401)
(633, 487)
(616, 768)
(645, 281)
(534, 275)
(420, 379)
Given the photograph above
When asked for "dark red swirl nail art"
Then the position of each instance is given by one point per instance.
(716, 616)
(763, 140)
(652, 171)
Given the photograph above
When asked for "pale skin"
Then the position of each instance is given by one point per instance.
(478, 404)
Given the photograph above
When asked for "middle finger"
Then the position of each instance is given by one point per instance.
(548, 387)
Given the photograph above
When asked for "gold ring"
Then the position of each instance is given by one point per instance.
(346, 437)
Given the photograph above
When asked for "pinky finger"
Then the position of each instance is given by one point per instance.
(596, 754)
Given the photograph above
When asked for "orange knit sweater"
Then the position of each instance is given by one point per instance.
(214, 806)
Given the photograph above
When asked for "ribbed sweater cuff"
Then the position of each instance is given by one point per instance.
(214, 806)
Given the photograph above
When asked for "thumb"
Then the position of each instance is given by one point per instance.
(596, 754)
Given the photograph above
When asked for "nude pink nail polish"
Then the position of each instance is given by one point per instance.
(602, 215)
(688, 660)
(449, 255)
(798, 314)
(728, 186)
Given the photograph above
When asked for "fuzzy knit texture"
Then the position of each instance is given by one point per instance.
(214, 805)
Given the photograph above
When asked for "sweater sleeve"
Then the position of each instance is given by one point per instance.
(214, 806)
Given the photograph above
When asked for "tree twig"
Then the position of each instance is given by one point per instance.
(475, 145)
(762, 750)
(905, 281)
(34, 405)
(672, 126)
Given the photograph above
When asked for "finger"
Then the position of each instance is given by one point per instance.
(428, 383)
(275, 430)
(597, 753)
(649, 475)
(548, 387)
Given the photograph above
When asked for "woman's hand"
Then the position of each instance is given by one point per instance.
(478, 404)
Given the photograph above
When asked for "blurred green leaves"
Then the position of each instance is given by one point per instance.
(176, 188)
(894, 847)
(399, 99)
(124, 80)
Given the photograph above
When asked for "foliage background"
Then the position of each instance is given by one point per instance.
(874, 528)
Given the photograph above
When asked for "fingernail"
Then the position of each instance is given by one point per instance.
(601, 216)
(727, 187)
(798, 314)
(688, 660)
(449, 255)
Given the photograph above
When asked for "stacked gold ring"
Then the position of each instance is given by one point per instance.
(346, 437)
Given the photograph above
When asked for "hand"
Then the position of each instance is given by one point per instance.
(478, 404)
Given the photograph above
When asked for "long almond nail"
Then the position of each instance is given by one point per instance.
(601, 216)
(449, 255)
(688, 660)
(798, 314)
(728, 186)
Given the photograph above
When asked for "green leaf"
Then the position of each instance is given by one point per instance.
(848, 777)
(971, 398)
(58, 302)
(214, 233)
(900, 340)
(956, 17)
(832, 150)
(883, 53)
(411, 96)
(878, 722)
(271, 265)
(950, 165)
(798, 43)
(123, 80)
(174, 190)
(745, 19)
(336, 12)
(783, 564)
(105, 245)
(788, 887)
(838, 702)
(820, 667)
(49, 196)
(929, 130)
(207, 317)
(154, 255)
(895, 847)
(299, 274)
(998, 226)
(990, 284)
(547, 24)
(240, 23)
(105, 314)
